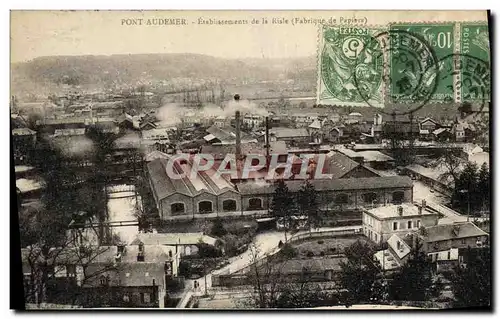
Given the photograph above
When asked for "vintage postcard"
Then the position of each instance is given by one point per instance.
(251, 159)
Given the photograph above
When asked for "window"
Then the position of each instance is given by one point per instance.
(418, 223)
(146, 297)
(255, 204)
(449, 255)
(177, 208)
(205, 207)
(410, 224)
(369, 198)
(463, 241)
(376, 237)
(395, 226)
(229, 205)
(399, 245)
(126, 298)
(398, 197)
(342, 199)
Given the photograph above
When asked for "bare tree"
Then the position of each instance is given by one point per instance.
(450, 165)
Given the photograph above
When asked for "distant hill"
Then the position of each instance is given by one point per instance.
(44, 75)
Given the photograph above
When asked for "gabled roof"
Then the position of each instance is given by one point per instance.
(403, 250)
(428, 119)
(452, 231)
(340, 164)
(344, 184)
(316, 124)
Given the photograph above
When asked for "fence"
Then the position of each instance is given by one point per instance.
(240, 277)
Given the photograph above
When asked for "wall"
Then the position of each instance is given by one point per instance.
(384, 228)
(445, 245)
(229, 195)
(205, 197)
(166, 203)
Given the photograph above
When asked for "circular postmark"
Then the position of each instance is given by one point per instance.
(349, 52)
(410, 72)
(471, 81)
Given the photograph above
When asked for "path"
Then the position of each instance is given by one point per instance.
(265, 243)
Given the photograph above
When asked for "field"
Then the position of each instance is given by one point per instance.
(326, 246)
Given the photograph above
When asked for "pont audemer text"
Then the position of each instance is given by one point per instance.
(154, 21)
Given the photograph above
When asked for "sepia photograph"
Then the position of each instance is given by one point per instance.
(249, 160)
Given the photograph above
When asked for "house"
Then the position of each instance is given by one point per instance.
(135, 276)
(442, 135)
(221, 121)
(185, 244)
(292, 136)
(354, 117)
(396, 255)
(253, 120)
(380, 223)
(427, 126)
(401, 125)
(442, 242)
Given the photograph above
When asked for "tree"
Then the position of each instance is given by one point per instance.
(450, 164)
(272, 289)
(359, 273)
(465, 195)
(282, 204)
(414, 280)
(308, 204)
(483, 186)
(218, 229)
(471, 285)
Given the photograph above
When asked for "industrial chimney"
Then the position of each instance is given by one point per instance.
(267, 137)
(238, 133)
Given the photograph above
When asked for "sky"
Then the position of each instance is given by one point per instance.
(46, 33)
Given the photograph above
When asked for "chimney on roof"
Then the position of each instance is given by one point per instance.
(424, 204)
(420, 210)
(400, 210)
(140, 253)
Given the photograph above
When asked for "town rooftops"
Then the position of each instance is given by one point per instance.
(125, 274)
(382, 182)
(393, 211)
(452, 231)
(285, 132)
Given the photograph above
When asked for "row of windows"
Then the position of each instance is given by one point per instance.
(228, 205)
(409, 225)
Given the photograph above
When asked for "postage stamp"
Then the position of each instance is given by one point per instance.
(475, 45)
(439, 39)
(350, 66)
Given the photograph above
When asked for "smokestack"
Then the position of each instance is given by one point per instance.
(267, 137)
(238, 133)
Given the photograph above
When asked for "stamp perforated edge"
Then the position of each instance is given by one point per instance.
(458, 44)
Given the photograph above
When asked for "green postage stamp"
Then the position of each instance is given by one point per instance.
(475, 43)
(351, 66)
(439, 37)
